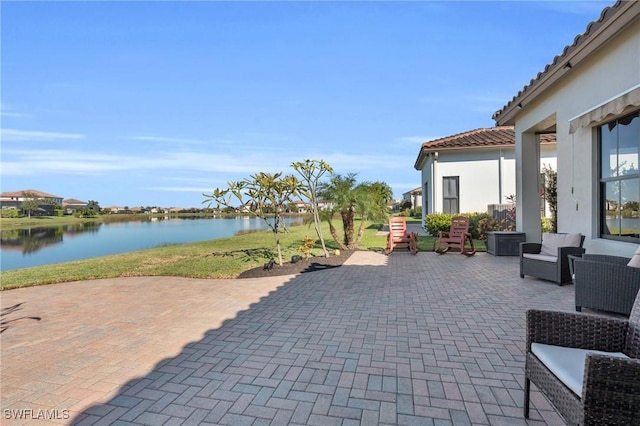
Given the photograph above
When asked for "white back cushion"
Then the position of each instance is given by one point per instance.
(551, 242)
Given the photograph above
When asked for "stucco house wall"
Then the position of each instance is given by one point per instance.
(484, 162)
(601, 76)
(486, 177)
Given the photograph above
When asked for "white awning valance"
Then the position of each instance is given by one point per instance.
(612, 107)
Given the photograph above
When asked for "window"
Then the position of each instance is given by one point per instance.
(619, 149)
(450, 194)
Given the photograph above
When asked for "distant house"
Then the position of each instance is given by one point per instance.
(71, 204)
(470, 171)
(14, 200)
(116, 209)
(589, 95)
(301, 206)
(414, 197)
(325, 204)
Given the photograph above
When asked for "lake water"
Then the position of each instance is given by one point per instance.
(23, 248)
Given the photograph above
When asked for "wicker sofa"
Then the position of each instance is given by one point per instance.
(549, 260)
(606, 283)
(586, 387)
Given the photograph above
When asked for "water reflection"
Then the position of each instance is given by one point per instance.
(31, 240)
(42, 245)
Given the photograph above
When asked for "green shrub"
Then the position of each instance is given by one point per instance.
(436, 222)
(10, 213)
(417, 212)
(487, 224)
(547, 226)
(474, 219)
(84, 212)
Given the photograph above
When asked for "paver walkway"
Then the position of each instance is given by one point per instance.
(403, 339)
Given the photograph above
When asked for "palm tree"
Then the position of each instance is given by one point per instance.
(372, 199)
(340, 190)
(93, 205)
(366, 200)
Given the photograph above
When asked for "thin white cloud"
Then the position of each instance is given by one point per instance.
(15, 135)
(51, 161)
(167, 140)
(219, 168)
(72, 162)
(179, 189)
(7, 111)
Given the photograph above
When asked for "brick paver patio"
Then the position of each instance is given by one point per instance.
(426, 340)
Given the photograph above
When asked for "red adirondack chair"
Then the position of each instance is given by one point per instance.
(456, 238)
(399, 237)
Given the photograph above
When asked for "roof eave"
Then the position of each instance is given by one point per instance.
(622, 16)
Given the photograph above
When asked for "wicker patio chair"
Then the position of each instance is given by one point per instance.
(549, 260)
(605, 282)
(586, 387)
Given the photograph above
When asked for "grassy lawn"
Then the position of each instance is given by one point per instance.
(223, 258)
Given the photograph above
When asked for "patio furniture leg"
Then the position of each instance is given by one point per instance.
(527, 389)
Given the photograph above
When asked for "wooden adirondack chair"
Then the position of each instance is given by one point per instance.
(456, 238)
(399, 236)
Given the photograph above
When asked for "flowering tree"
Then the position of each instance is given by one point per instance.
(265, 195)
(311, 172)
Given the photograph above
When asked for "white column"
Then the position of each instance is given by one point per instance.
(527, 186)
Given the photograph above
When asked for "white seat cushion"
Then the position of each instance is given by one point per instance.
(567, 364)
(544, 257)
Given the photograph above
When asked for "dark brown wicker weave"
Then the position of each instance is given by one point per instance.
(606, 283)
(611, 387)
(558, 272)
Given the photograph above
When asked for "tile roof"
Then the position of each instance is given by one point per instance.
(22, 193)
(480, 138)
(559, 61)
(72, 201)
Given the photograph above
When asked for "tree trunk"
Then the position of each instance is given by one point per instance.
(278, 248)
(316, 222)
(347, 226)
(334, 234)
(360, 235)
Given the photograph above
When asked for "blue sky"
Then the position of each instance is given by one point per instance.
(154, 103)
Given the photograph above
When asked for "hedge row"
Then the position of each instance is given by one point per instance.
(479, 224)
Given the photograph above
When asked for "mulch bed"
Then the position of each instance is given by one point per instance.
(312, 264)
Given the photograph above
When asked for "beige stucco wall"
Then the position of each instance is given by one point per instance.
(606, 74)
(486, 176)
